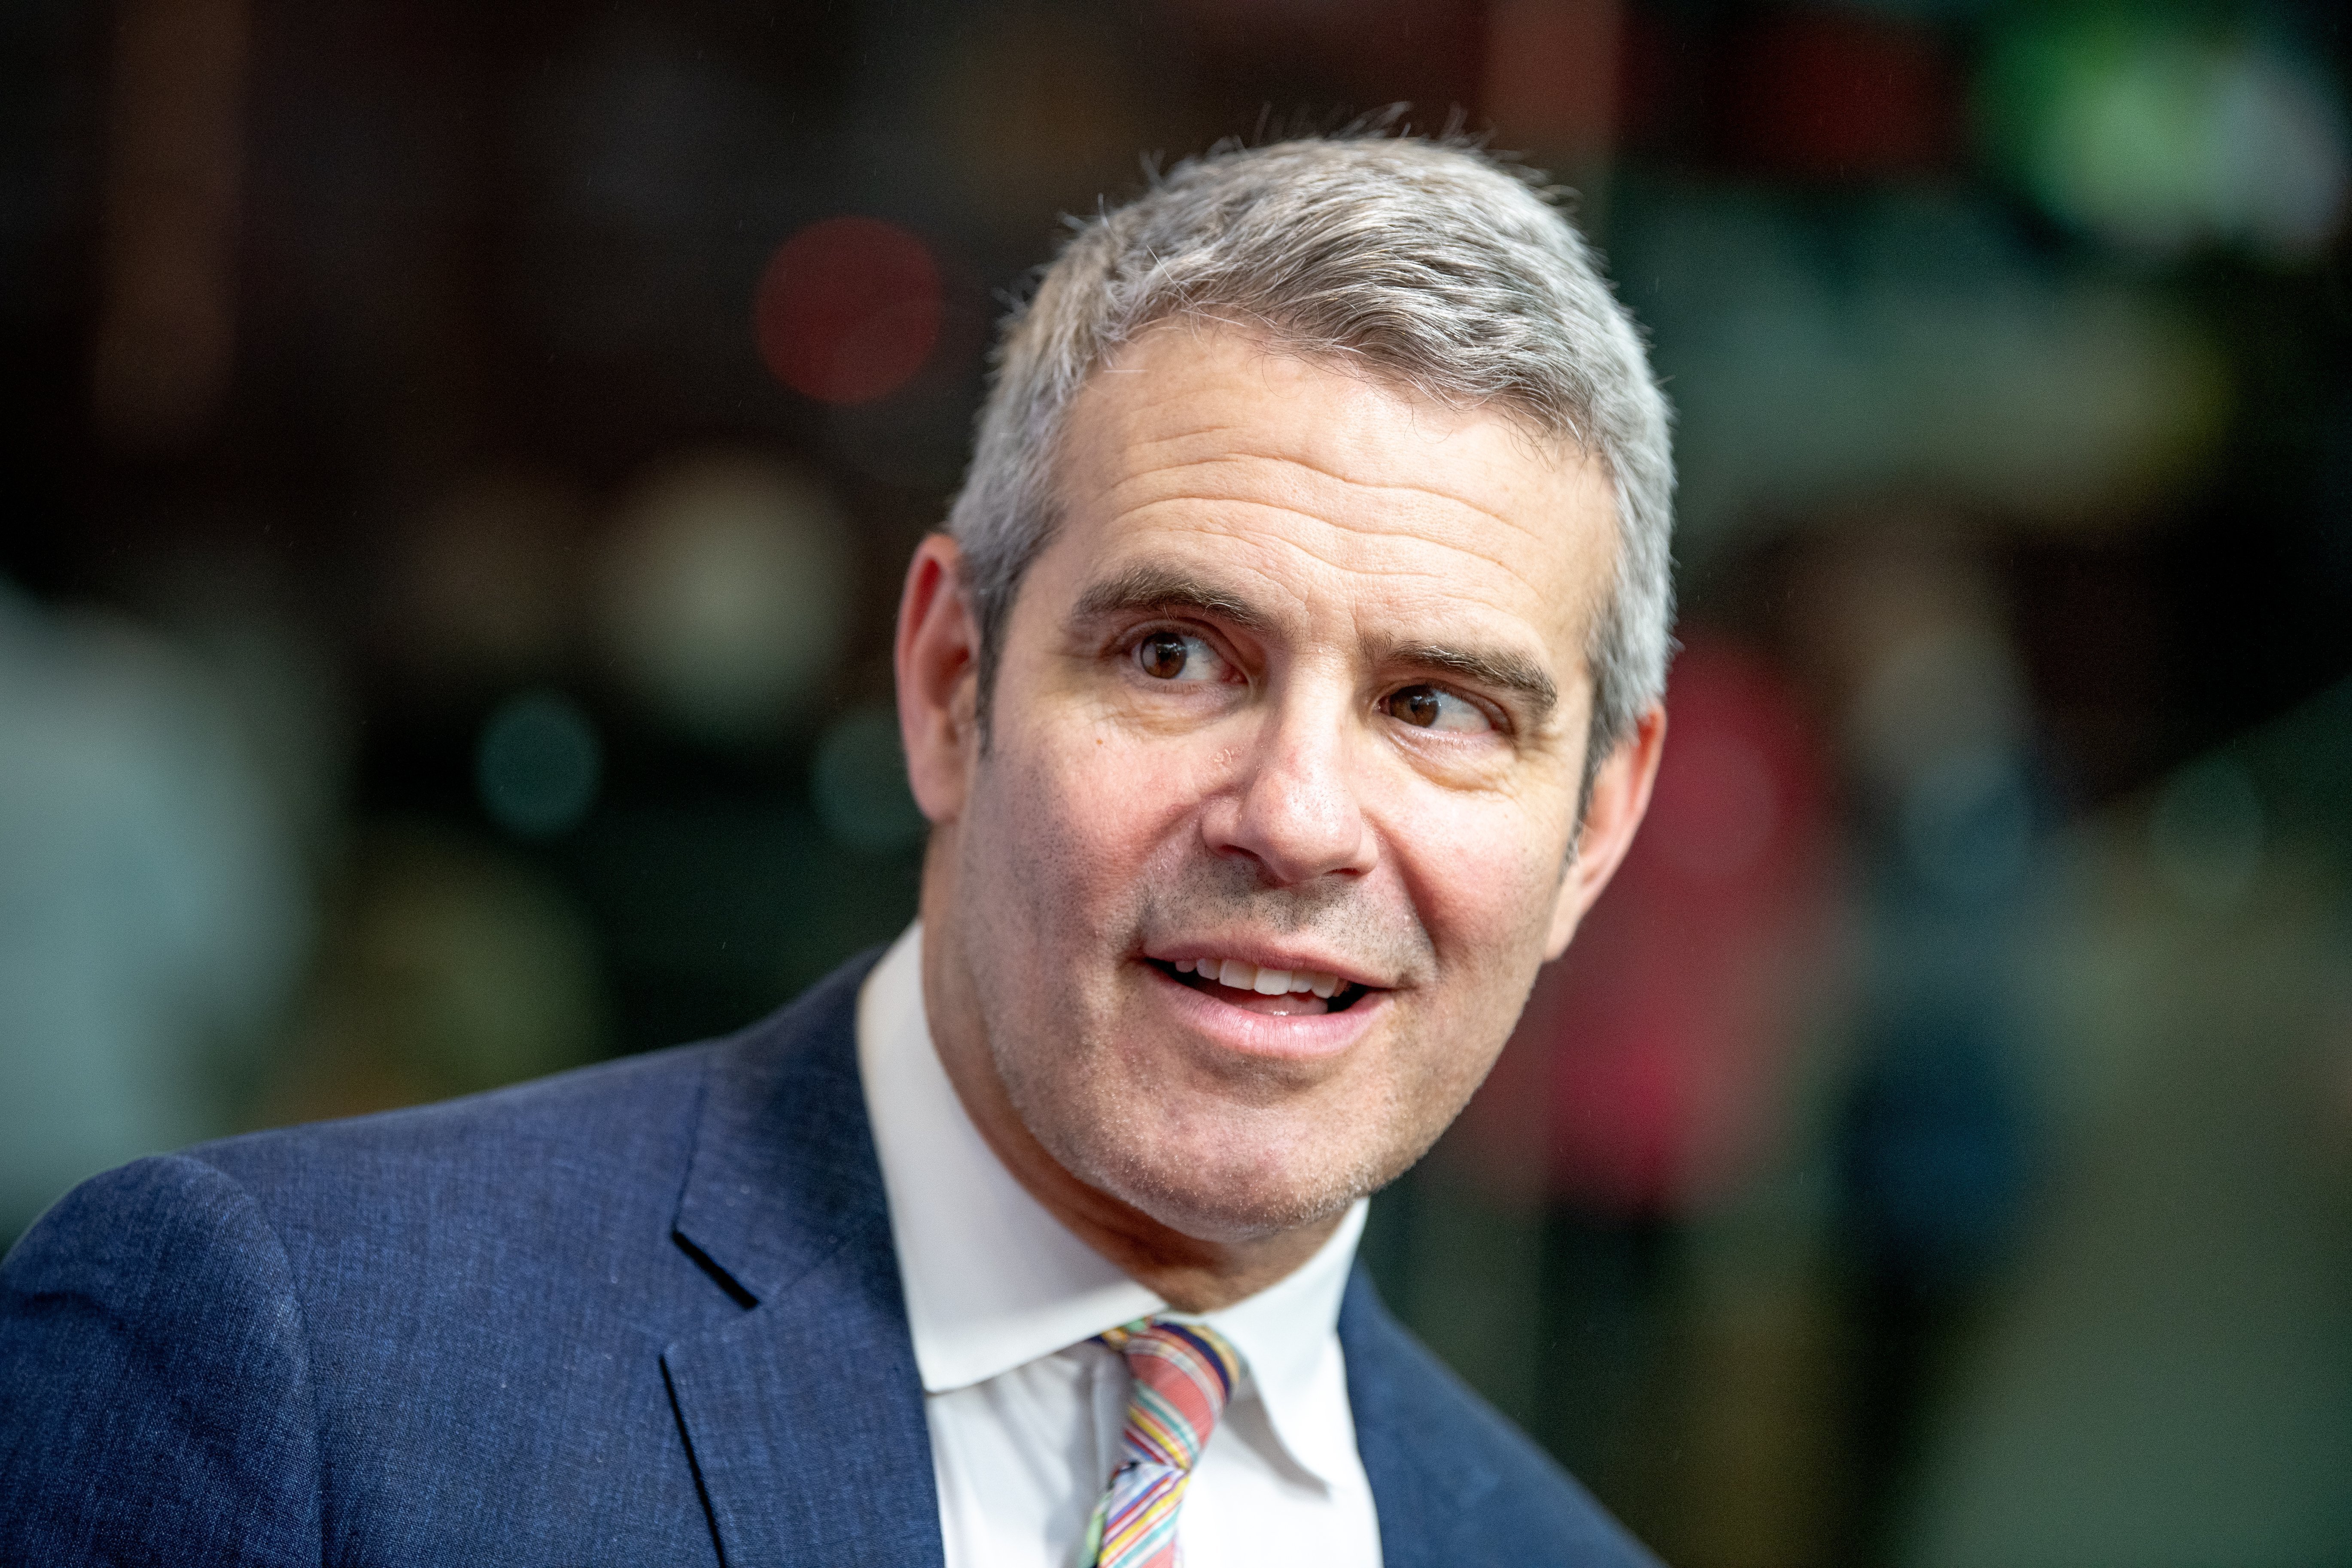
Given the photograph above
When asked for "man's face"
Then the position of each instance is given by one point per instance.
(1298, 689)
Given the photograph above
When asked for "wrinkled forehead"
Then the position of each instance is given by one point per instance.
(1313, 474)
(1225, 335)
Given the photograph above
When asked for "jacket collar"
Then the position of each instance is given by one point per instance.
(804, 1414)
(1425, 1472)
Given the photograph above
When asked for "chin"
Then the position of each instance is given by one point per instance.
(1232, 1194)
(1230, 1218)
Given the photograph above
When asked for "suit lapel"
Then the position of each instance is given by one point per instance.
(804, 1415)
(1424, 1481)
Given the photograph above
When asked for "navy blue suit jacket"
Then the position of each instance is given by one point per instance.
(648, 1312)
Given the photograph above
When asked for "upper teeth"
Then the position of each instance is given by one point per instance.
(1243, 976)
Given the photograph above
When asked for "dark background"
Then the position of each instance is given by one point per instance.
(460, 460)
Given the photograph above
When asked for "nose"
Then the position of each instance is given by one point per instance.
(1295, 807)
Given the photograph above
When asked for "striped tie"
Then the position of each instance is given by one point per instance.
(1184, 1373)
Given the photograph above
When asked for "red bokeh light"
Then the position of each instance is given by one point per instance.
(1828, 95)
(849, 309)
(1651, 1067)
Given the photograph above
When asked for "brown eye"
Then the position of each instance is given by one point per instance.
(1162, 655)
(1435, 707)
(1416, 705)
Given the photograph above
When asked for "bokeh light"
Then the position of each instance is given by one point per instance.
(477, 590)
(859, 783)
(2205, 835)
(2158, 138)
(539, 764)
(849, 309)
(448, 966)
(723, 593)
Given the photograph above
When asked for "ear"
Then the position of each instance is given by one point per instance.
(1620, 795)
(937, 660)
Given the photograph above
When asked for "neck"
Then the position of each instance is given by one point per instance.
(1189, 1273)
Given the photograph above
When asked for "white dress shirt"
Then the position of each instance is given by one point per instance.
(1025, 1411)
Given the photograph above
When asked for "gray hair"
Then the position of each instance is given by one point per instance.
(1439, 266)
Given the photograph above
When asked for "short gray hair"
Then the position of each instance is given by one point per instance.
(1438, 266)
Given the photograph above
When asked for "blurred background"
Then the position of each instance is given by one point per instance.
(461, 458)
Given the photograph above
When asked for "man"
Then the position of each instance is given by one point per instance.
(1283, 692)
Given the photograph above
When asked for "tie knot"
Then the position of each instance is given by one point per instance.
(1183, 1374)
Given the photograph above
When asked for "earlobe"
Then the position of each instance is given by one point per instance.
(1621, 795)
(937, 664)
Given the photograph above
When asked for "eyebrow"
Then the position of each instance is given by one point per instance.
(1502, 671)
(1148, 588)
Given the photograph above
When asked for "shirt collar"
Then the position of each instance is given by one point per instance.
(994, 1281)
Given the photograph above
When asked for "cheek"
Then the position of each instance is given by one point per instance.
(1485, 873)
(1078, 821)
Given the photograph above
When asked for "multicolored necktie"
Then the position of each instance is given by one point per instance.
(1183, 1374)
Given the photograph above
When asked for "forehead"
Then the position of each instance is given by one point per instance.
(1329, 492)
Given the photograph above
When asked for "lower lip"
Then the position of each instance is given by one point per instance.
(1293, 1036)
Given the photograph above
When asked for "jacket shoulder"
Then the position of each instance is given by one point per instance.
(397, 1337)
(1455, 1482)
(153, 1365)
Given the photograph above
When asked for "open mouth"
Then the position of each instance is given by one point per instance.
(1282, 992)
